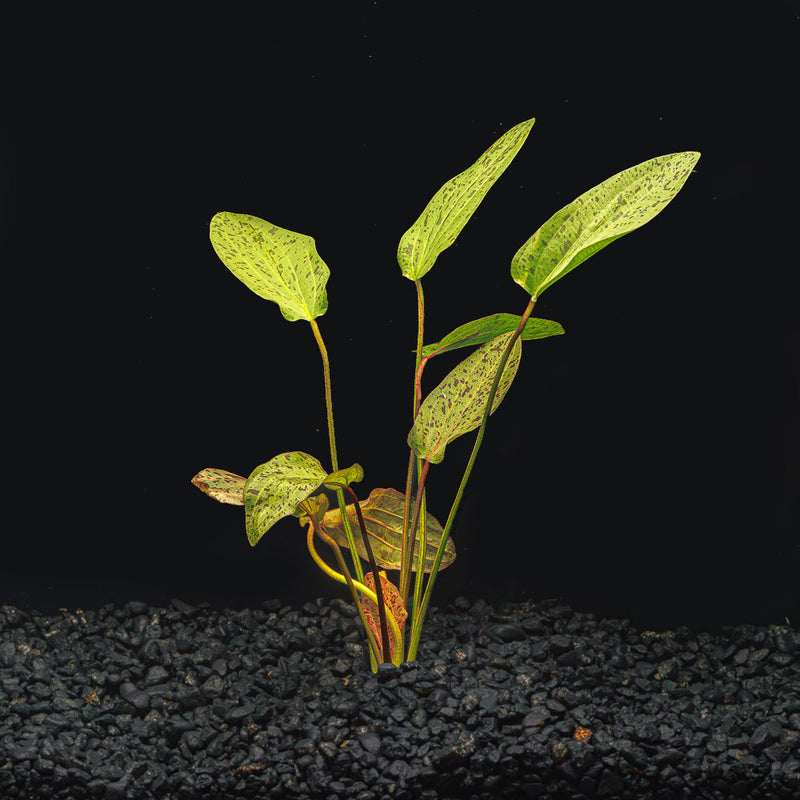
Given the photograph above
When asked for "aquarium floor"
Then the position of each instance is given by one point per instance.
(528, 701)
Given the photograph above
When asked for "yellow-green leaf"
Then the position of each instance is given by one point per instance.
(619, 205)
(275, 489)
(485, 329)
(452, 206)
(344, 477)
(277, 264)
(457, 404)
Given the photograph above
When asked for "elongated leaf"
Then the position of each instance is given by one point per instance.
(224, 486)
(485, 329)
(383, 516)
(619, 205)
(277, 264)
(274, 490)
(452, 206)
(456, 405)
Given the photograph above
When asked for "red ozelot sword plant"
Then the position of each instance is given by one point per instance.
(393, 530)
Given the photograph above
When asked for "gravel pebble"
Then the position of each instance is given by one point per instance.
(529, 700)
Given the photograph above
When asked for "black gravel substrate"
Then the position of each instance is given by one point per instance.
(529, 701)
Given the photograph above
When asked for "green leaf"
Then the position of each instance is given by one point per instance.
(224, 486)
(279, 265)
(452, 206)
(275, 489)
(344, 477)
(485, 329)
(383, 516)
(623, 203)
(457, 404)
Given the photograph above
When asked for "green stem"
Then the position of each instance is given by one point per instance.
(326, 373)
(416, 629)
(409, 531)
(423, 543)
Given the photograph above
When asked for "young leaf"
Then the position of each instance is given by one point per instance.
(383, 516)
(452, 206)
(344, 477)
(456, 405)
(279, 265)
(623, 203)
(485, 329)
(312, 508)
(394, 606)
(275, 489)
(224, 486)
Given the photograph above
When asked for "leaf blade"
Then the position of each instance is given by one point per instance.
(457, 404)
(277, 264)
(483, 330)
(451, 207)
(613, 208)
(221, 485)
(383, 516)
(276, 488)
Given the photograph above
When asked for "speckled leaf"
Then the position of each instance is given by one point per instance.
(456, 405)
(277, 264)
(623, 203)
(483, 330)
(383, 516)
(452, 206)
(224, 486)
(274, 490)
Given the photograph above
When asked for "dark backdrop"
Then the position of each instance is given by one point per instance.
(645, 465)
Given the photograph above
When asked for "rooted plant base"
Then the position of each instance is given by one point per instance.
(132, 701)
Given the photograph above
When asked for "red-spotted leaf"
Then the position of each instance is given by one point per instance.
(275, 489)
(224, 486)
(452, 206)
(277, 264)
(457, 404)
(619, 205)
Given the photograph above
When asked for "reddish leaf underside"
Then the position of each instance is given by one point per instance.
(394, 606)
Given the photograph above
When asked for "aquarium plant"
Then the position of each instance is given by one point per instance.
(392, 530)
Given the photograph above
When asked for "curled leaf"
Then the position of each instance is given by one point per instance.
(312, 508)
(344, 477)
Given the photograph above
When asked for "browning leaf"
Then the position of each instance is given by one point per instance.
(224, 486)
(394, 606)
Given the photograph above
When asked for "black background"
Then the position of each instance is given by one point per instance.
(645, 465)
